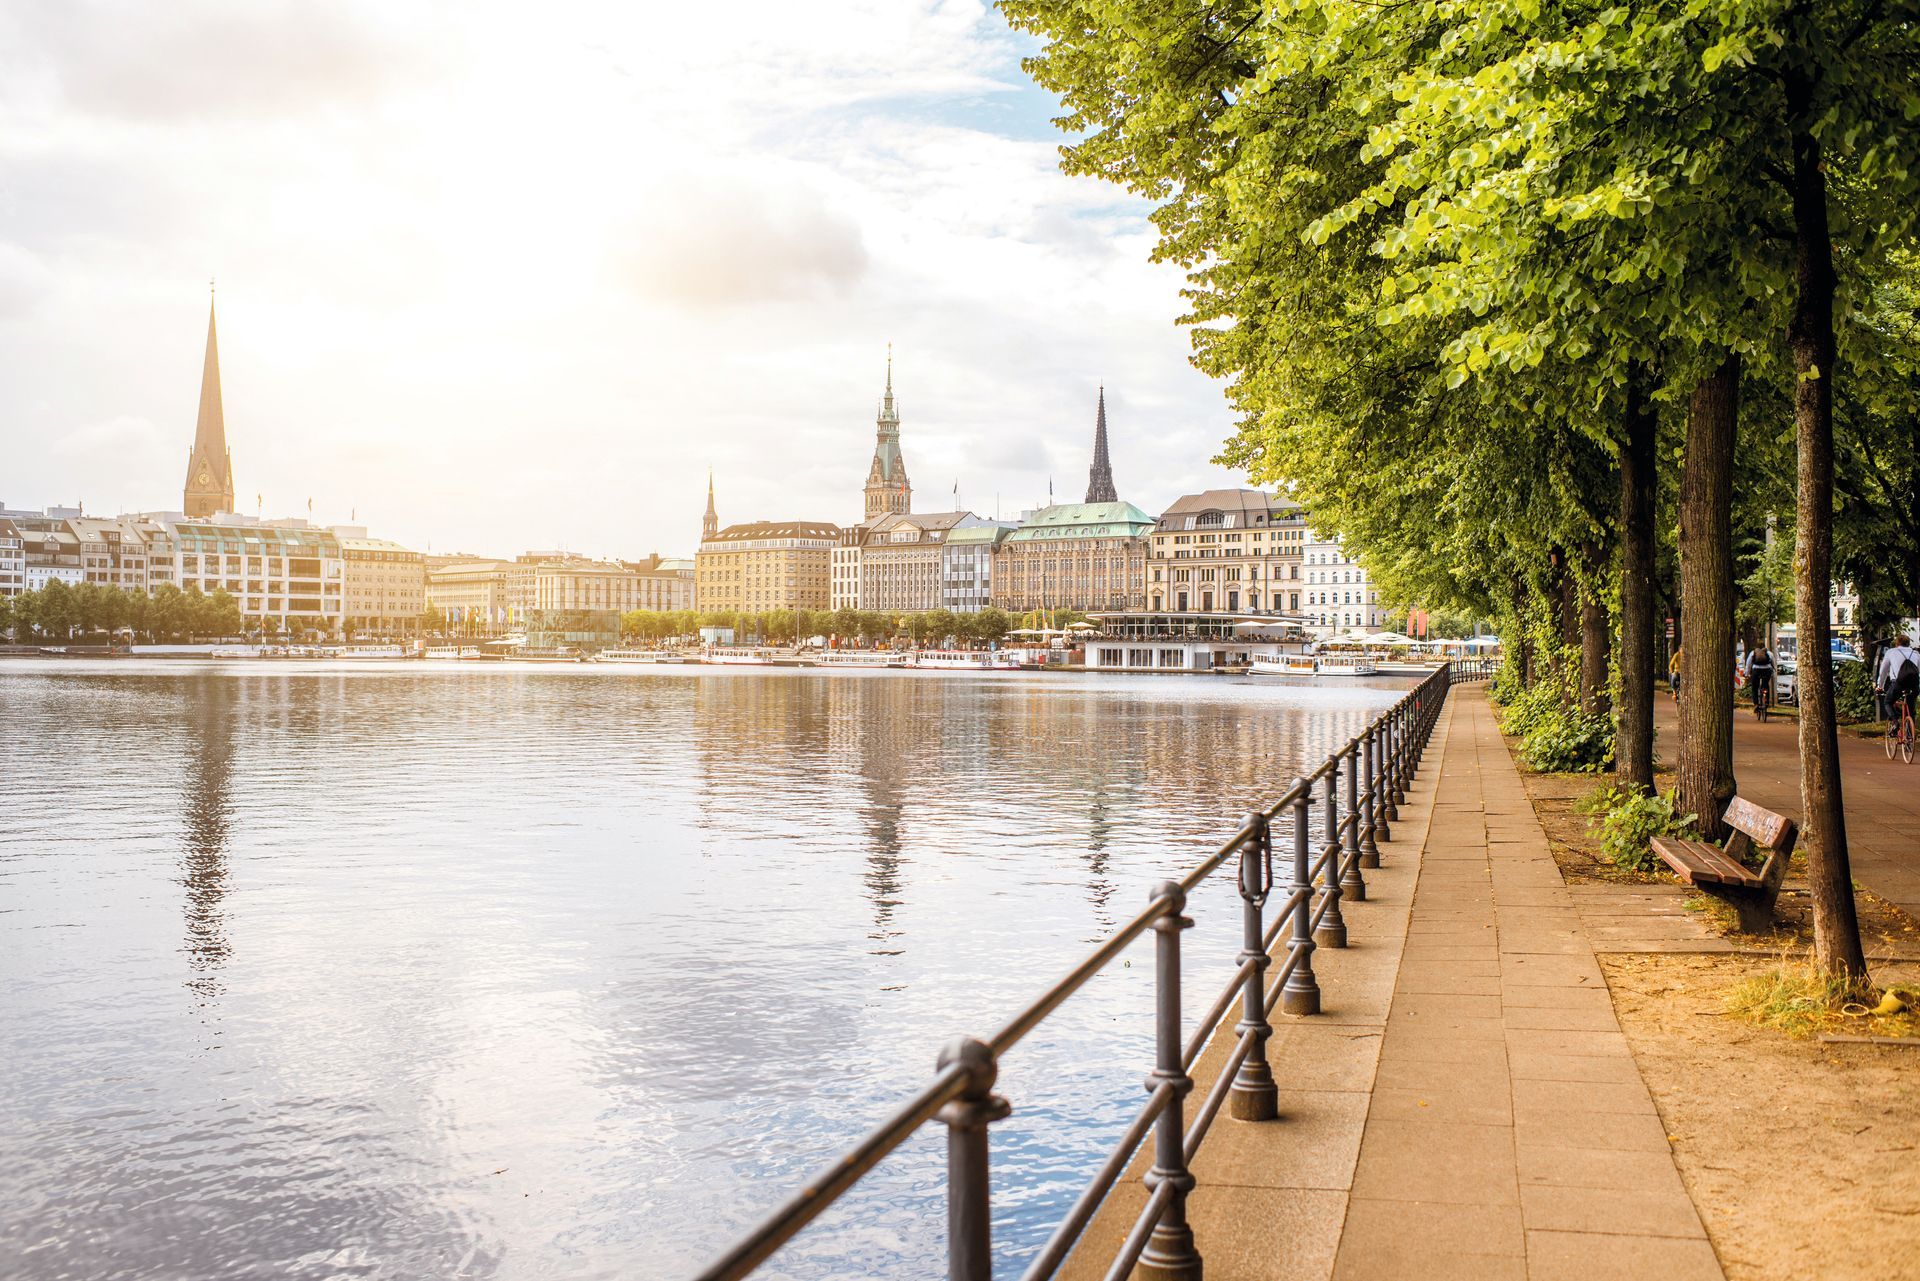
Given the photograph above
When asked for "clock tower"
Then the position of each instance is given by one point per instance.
(209, 487)
(888, 490)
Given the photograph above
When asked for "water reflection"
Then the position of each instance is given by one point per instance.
(565, 972)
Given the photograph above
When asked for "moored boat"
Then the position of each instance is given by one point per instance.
(967, 660)
(639, 656)
(862, 658)
(1282, 665)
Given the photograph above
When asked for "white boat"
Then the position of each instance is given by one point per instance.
(1282, 665)
(1004, 661)
(1344, 660)
(639, 656)
(453, 651)
(221, 651)
(741, 657)
(862, 658)
(373, 651)
(966, 660)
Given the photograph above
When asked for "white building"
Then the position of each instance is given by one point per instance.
(1337, 595)
(285, 574)
(13, 560)
(966, 566)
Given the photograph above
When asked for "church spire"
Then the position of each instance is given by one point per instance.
(209, 486)
(710, 523)
(888, 490)
(1100, 475)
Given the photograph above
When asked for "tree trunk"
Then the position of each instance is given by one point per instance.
(1633, 732)
(1836, 927)
(1526, 635)
(1595, 636)
(1706, 598)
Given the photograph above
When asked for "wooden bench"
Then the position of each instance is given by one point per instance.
(1717, 870)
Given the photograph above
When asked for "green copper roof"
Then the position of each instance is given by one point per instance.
(1084, 520)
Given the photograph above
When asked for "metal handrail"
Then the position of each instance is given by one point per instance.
(1378, 765)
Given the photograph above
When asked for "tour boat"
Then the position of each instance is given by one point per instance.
(968, 660)
(1005, 661)
(741, 657)
(639, 656)
(1282, 665)
(373, 651)
(453, 651)
(223, 651)
(546, 654)
(863, 658)
(1344, 660)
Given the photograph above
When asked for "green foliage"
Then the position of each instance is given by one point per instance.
(1627, 820)
(1569, 742)
(1853, 700)
(61, 612)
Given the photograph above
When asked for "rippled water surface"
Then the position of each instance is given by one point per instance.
(455, 970)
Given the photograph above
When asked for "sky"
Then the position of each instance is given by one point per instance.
(494, 277)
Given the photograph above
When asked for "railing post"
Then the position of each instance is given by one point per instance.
(1254, 1096)
(1170, 1254)
(1369, 780)
(969, 1206)
(1360, 831)
(1393, 790)
(1381, 793)
(1301, 994)
(1332, 931)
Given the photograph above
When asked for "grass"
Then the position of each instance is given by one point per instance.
(1802, 1002)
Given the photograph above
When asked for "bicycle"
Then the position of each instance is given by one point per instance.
(1900, 732)
(1762, 698)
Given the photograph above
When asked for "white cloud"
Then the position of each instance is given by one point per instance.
(497, 283)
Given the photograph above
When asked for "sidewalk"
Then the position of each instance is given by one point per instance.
(1509, 1134)
(1882, 797)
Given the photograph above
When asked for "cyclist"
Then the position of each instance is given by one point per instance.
(1760, 676)
(1898, 676)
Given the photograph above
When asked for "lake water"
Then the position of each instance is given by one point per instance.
(458, 970)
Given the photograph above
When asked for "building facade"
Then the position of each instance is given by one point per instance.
(766, 564)
(209, 487)
(385, 584)
(1228, 551)
(471, 594)
(284, 575)
(1084, 556)
(901, 557)
(966, 565)
(13, 559)
(1338, 596)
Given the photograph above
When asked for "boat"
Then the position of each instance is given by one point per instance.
(1282, 665)
(863, 658)
(968, 660)
(453, 651)
(639, 656)
(1344, 660)
(1005, 661)
(743, 657)
(547, 654)
(373, 651)
(218, 651)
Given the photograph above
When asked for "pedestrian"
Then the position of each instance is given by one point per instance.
(1673, 672)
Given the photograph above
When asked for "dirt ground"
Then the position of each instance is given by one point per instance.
(1803, 1156)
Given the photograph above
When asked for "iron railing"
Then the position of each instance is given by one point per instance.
(1377, 765)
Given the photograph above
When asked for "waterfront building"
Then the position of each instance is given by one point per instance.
(209, 487)
(283, 574)
(1230, 551)
(385, 584)
(1100, 475)
(1085, 556)
(560, 582)
(13, 559)
(112, 552)
(661, 584)
(1339, 596)
(888, 490)
(900, 559)
(966, 565)
(843, 567)
(51, 554)
(766, 564)
(157, 536)
(471, 593)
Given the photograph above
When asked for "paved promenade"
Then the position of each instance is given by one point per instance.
(1882, 796)
(1510, 1134)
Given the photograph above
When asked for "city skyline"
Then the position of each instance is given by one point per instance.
(469, 368)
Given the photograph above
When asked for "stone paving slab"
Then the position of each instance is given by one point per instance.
(1510, 1133)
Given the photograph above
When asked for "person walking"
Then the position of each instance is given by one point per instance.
(1673, 672)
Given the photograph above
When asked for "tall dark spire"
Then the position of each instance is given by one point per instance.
(710, 523)
(209, 486)
(1100, 475)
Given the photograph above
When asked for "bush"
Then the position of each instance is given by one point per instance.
(1853, 694)
(1527, 708)
(1627, 821)
(1568, 742)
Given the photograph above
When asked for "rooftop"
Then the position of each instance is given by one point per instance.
(1084, 520)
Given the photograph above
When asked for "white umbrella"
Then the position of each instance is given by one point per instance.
(1483, 642)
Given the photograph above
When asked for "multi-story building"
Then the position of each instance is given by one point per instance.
(1084, 556)
(285, 574)
(112, 552)
(766, 564)
(966, 565)
(13, 560)
(1228, 551)
(900, 558)
(52, 554)
(385, 584)
(661, 583)
(157, 535)
(843, 567)
(1337, 595)
(472, 594)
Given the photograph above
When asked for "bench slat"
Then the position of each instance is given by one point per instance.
(1697, 862)
(1775, 831)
